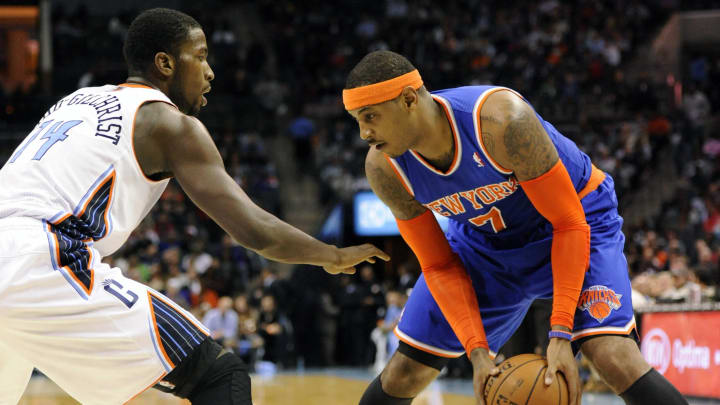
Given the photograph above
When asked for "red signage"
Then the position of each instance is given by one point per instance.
(685, 348)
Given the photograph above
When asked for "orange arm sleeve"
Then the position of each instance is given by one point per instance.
(446, 278)
(554, 196)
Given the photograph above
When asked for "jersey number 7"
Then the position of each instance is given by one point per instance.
(495, 218)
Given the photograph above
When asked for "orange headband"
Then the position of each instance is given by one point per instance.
(380, 92)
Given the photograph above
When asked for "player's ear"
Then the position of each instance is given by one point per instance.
(409, 97)
(164, 63)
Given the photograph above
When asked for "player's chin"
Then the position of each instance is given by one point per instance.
(195, 108)
(386, 149)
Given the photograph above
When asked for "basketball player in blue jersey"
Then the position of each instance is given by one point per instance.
(530, 217)
(75, 189)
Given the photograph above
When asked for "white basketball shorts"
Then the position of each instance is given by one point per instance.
(100, 336)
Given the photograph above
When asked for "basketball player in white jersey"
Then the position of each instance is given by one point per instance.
(74, 190)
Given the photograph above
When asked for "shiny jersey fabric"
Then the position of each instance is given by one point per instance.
(483, 200)
(77, 172)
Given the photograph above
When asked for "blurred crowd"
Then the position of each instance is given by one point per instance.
(566, 58)
(280, 66)
(676, 257)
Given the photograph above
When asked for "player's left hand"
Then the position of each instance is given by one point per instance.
(350, 256)
(560, 358)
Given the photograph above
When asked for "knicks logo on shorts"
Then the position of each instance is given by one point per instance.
(599, 301)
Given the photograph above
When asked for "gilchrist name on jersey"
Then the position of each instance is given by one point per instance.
(107, 108)
(77, 170)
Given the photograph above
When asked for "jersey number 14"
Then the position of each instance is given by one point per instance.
(56, 133)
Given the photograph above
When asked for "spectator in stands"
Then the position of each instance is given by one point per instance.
(661, 286)
(373, 298)
(223, 323)
(352, 337)
(697, 106)
(275, 330)
(382, 336)
(301, 130)
(234, 260)
(248, 340)
(407, 276)
(327, 328)
(197, 259)
(685, 288)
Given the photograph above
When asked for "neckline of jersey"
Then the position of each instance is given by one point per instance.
(137, 85)
(456, 138)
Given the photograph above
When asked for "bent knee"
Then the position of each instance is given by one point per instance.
(226, 382)
(618, 360)
(404, 377)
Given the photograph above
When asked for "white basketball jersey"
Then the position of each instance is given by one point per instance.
(77, 171)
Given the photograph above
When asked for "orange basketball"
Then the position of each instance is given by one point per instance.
(522, 381)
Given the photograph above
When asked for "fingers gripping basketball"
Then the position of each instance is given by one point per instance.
(521, 382)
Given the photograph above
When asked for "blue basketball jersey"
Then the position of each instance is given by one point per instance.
(503, 241)
(475, 190)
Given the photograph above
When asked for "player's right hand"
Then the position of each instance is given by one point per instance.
(483, 368)
(561, 359)
(351, 256)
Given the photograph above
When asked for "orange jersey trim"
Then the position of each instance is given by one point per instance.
(425, 347)
(157, 331)
(140, 86)
(555, 198)
(132, 136)
(606, 331)
(597, 176)
(177, 309)
(456, 139)
(400, 175)
(111, 177)
(152, 384)
(478, 128)
(68, 270)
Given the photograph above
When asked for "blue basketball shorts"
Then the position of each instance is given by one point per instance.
(508, 281)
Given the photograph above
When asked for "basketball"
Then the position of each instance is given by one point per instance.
(600, 310)
(522, 381)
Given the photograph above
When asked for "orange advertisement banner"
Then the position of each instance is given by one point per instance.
(685, 348)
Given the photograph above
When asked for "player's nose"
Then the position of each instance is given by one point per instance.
(209, 74)
(365, 133)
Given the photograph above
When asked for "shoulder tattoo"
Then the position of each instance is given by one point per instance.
(392, 193)
(529, 148)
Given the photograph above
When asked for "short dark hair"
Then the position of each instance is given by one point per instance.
(155, 30)
(377, 67)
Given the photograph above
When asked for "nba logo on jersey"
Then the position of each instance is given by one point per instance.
(599, 301)
(477, 160)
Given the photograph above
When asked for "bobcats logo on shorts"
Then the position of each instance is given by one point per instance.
(599, 301)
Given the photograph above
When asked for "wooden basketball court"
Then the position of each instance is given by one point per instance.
(328, 387)
(281, 389)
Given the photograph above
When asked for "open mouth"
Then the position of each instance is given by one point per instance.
(204, 100)
(377, 145)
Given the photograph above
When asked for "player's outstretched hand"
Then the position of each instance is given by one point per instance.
(483, 368)
(351, 256)
(560, 358)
